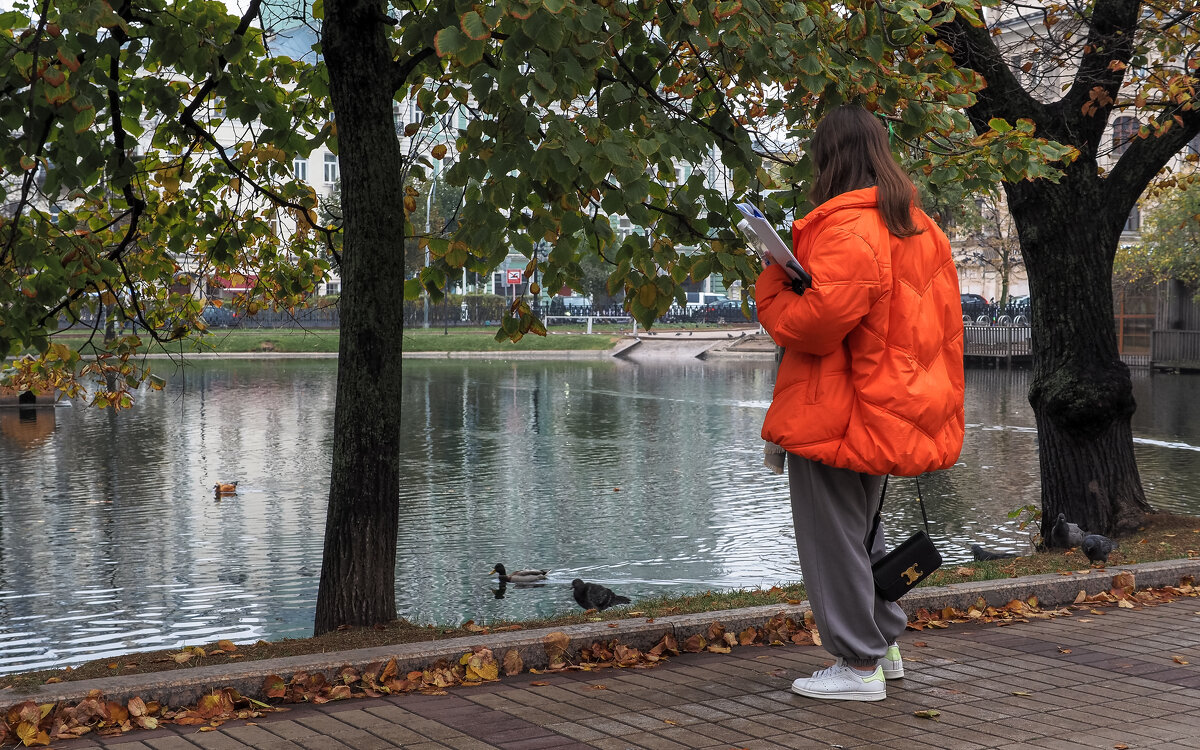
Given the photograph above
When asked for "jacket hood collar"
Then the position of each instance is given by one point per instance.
(864, 198)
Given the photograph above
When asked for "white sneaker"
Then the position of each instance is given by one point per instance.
(891, 663)
(843, 683)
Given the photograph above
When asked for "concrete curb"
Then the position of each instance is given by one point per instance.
(185, 686)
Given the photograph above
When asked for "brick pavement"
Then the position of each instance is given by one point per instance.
(1087, 681)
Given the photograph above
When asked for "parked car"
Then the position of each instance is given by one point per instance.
(220, 317)
(697, 300)
(974, 305)
(572, 305)
(723, 311)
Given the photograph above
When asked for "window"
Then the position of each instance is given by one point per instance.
(331, 169)
(1134, 222)
(1124, 130)
(300, 168)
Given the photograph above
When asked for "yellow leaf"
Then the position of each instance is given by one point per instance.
(439, 151)
(931, 713)
(513, 662)
(1179, 660)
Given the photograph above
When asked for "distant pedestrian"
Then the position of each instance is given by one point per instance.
(871, 383)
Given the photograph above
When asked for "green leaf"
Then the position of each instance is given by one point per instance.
(473, 26)
(448, 41)
(999, 125)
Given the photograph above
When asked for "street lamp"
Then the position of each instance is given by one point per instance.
(428, 212)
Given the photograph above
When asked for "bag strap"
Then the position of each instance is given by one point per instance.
(879, 512)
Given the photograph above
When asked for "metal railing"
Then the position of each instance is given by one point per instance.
(999, 341)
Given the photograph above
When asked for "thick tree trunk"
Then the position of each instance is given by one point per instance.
(358, 567)
(1081, 393)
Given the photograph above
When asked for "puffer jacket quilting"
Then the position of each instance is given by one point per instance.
(872, 374)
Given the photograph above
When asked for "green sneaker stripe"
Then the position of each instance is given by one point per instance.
(876, 677)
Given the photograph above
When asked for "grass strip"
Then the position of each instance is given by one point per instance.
(294, 340)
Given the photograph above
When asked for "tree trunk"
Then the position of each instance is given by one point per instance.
(358, 567)
(1081, 393)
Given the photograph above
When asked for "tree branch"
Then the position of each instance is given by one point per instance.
(973, 47)
(401, 70)
(1097, 82)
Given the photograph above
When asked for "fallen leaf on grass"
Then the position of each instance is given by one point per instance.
(930, 713)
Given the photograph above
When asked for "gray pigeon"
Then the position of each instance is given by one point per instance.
(595, 596)
(982, 553)
(1097, 547)
(1064, 533)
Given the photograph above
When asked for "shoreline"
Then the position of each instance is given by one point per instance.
(185, 686)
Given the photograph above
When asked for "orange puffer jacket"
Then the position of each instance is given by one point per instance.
(872, 373)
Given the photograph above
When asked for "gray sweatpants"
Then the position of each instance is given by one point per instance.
(833, 510)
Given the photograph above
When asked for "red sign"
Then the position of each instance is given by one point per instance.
(513, 276)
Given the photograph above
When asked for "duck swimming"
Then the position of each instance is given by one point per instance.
(225, 488)
(519, 576)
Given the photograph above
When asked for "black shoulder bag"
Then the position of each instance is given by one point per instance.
(909, 563)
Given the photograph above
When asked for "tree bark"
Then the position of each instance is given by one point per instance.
(1081, 394)
(358, 567)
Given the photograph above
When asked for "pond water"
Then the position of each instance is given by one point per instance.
(646, 477)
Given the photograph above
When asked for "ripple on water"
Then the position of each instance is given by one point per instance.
(647, 478)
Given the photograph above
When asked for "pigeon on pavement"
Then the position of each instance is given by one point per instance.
(595, 596)
(982, 553)
(1064, 533)
(1097, 547)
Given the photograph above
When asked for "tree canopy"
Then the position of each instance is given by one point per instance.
(1170, 246)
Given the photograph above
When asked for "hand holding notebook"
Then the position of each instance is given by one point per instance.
(763, 238)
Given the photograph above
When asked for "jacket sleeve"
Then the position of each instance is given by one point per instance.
(845, 286)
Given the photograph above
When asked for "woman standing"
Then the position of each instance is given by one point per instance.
(871, 383)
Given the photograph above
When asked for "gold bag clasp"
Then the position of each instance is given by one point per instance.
(912, 575)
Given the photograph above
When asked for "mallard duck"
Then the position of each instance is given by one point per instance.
(225, 488)
(519, 576)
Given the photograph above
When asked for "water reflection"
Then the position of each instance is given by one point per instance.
(646, 477)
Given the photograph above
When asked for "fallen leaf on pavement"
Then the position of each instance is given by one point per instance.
(1179, 660)
(931, 713)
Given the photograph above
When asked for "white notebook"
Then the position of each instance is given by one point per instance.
(765, 241)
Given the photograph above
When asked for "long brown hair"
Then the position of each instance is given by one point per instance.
(850, 151)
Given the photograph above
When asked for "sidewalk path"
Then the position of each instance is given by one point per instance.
(1106, 680)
